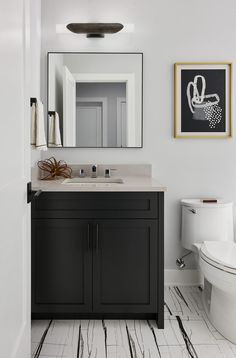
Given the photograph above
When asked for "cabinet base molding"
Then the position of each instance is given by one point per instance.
(101, 316)
(87, 316)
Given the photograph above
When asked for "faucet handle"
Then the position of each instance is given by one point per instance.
(108, 172)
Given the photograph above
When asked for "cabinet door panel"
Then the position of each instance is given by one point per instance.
(61, 266)
(125, 266)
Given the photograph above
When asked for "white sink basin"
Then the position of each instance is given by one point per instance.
(100, 181)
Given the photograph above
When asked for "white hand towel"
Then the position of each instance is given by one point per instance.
(51, 130)
(33, 124)
(40, 131)
(57, 131)
(38, 139)
(54, 131)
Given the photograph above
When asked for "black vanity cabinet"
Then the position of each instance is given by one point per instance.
(97, 255)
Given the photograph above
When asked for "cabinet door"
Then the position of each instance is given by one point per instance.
(125, 266)
(61, 266)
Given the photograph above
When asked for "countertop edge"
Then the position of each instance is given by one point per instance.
(131, 184)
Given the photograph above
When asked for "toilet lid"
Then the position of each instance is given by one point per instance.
(197, 203)
(221, 252)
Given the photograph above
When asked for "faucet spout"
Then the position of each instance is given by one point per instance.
(94, 171)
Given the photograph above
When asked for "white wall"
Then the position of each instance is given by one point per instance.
(166, 32)
(35, 57)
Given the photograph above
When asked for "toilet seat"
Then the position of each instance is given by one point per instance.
(220, 254)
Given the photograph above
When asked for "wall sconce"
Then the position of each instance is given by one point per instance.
(95, 30)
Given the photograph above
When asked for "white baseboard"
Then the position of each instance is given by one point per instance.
(182, 277)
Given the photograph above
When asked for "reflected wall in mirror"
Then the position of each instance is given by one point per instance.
(97, 97)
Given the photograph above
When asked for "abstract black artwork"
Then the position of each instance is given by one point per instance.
(203, 100)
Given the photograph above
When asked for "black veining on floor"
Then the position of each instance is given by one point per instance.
(130, 344)
(179, 293)
(155, 338)
(188, 343)
(139, 343)
(78, 347)
(168, 308)
(105, 335)
(38, 350)
(92, 339)
(81, 345)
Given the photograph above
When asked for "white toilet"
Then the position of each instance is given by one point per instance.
(207, 228)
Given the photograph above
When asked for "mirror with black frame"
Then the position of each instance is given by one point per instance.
(95, 99)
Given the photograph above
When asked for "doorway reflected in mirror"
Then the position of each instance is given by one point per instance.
(98, 98)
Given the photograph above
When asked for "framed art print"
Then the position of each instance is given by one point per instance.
(203, 100)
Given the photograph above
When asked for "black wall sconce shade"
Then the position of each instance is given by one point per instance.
(95, 29)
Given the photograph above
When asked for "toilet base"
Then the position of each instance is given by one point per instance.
(220, 308)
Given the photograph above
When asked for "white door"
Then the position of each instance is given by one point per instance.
(89, 125)
(121, 122)
(15, 172)
(69, 109)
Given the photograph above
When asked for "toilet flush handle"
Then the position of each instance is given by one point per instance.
(193, 211)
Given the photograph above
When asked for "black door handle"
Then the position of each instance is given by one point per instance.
(97, 238)
(88, 236)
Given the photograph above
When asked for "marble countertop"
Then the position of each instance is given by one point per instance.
(130, 183)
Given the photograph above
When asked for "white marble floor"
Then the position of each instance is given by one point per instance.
(187, 333)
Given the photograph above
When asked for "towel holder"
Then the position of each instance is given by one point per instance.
(33, 100)
(51, 113)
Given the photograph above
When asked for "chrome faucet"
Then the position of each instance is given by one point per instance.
(81, 173)
(94, 171)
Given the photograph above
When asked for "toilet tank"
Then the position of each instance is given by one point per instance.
(205, 222)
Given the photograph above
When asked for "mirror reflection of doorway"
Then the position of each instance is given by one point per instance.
(121, 122)
(97, 113)
(114, 76)
(91, 122)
